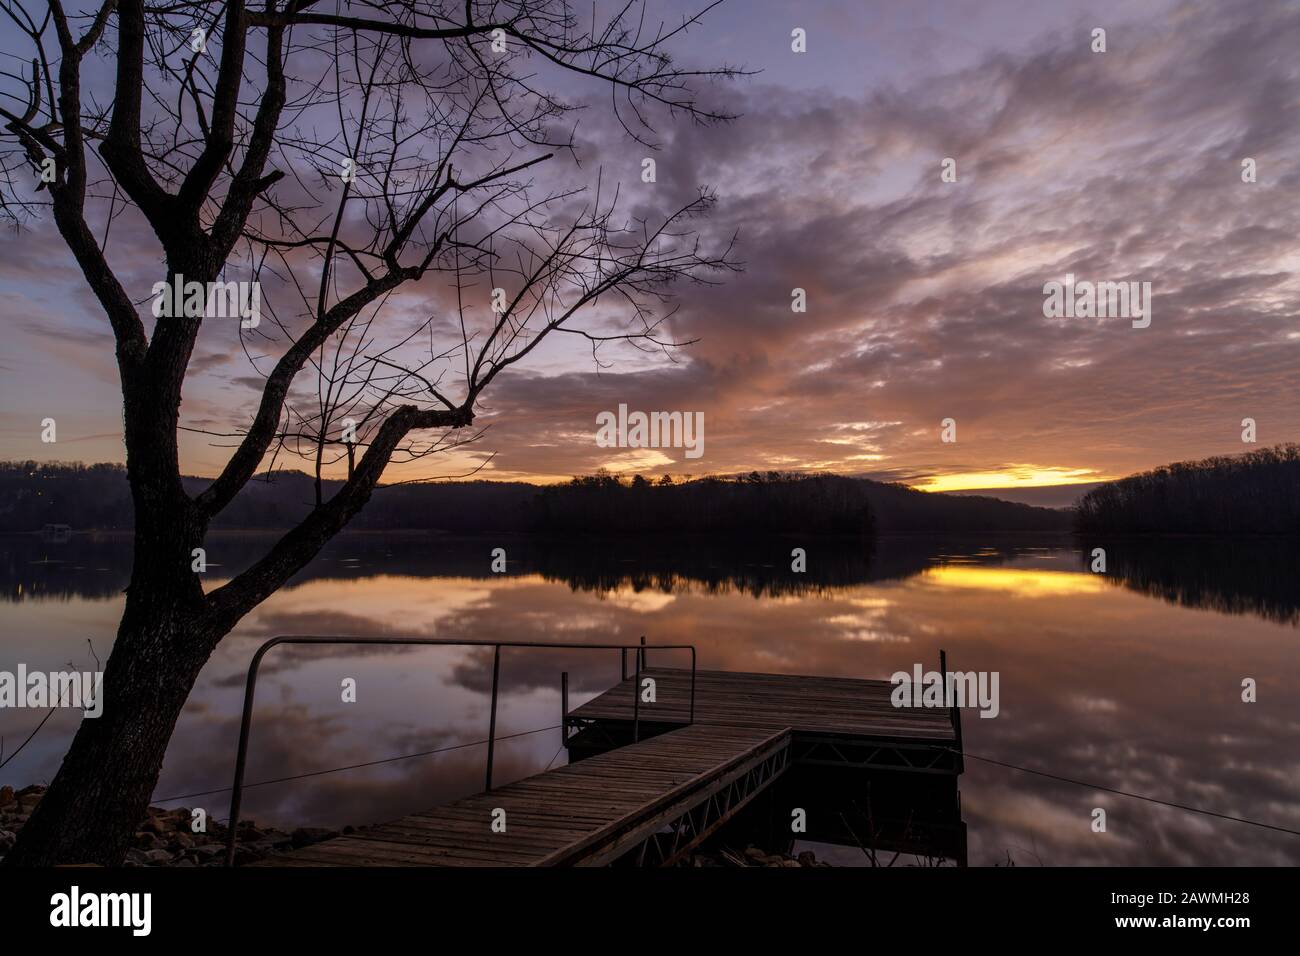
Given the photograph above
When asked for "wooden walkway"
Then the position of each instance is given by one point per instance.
(588, 813)
(652, 801)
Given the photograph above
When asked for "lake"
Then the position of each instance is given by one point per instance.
(1130, 680)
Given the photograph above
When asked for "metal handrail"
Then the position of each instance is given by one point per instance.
(954, 711)
(246, 721)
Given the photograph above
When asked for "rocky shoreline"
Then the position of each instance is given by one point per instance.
(753, 856)
(165, 838)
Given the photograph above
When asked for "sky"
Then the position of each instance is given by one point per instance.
(924, 297)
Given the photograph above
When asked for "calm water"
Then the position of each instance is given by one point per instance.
(1130, 680)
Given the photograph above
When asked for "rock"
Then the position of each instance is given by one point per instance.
(147, 840)
(159, 825)
(724, 856)
(165, 838)
(180, 818)
(306, 836)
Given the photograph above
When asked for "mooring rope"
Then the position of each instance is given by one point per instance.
(1127, 793)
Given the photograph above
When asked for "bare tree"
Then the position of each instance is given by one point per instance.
(341, 154)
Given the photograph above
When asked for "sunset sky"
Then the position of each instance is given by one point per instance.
(924, 297)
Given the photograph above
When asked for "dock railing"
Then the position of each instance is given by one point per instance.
(954, 711)
(246, 721)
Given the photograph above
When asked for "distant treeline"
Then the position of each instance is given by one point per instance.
(97, 497)
(1254, 493)
(84, 496)
(773, 502)
(756, 504)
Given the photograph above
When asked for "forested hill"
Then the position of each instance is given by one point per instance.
(1254, 493)
(97, 497)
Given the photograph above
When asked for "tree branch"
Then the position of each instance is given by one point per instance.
(233, 600)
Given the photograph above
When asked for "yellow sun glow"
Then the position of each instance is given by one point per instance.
(1022, 476)
(1021, 581)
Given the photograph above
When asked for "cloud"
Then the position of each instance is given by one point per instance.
(924, 297)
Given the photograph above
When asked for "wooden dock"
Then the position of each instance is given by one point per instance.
(811, 705)
(650, 801)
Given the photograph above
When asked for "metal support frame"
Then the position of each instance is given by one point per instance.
(917, 757)
(250, 687)
(574, 726)
(600, 726)
(665, 834)
(697, 823)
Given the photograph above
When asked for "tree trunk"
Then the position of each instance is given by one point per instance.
(169, 629)
(101, 793)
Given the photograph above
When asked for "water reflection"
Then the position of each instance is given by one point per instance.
(1098, 681)
(1237, 576)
